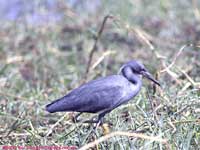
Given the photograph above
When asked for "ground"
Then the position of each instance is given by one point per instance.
(42, 62)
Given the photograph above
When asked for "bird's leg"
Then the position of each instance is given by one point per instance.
(98, 121)
(101, 123)
(100, 118)
(75, 119)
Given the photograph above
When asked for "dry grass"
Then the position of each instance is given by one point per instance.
(40, 64)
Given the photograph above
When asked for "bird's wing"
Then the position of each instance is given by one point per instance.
(92, 97)
(99, 99)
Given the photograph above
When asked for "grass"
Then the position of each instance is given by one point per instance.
(42, 63)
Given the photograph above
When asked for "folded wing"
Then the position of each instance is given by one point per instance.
(92, 97)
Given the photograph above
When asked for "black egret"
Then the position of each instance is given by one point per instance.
(104, 94)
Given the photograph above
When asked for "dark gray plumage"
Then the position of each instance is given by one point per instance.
(104, 94)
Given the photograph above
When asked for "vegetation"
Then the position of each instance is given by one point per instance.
(42, 62)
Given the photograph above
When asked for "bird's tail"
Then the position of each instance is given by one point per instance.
(55, 106)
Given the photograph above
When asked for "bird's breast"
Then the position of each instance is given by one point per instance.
(131, 90)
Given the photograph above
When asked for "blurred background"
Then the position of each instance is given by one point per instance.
(45, 47)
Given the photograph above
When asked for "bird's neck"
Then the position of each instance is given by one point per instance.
(132, 77)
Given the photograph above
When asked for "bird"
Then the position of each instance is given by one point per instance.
(104, 94)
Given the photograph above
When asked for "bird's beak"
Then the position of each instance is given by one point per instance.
(150, 77)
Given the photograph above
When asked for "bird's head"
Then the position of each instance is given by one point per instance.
(138, 68)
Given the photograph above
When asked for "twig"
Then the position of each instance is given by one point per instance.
(172, 125)
(13, 96)
(196, 10)
(189, 78)
(167, 68)
(121, 133)
(155, 116)
(15, 125)
(51, 129)
(61, 119)
(142, 35)
(14, 59)
(175, 57)
(15, 134)
(187, 85)
(67, 10)
(107, 53)
(95, 45)
(187, 121)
